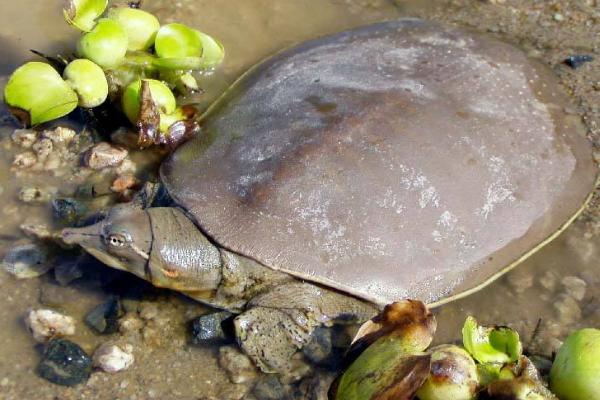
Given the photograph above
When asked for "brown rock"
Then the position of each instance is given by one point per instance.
(123, 182)
(104, 155)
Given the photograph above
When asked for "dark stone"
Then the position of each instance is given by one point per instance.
(214, 328)
(68, 268)
(576, 61)
(104, 318)
(270, 388)
(326, 347)
(67, 210)
(64, 363)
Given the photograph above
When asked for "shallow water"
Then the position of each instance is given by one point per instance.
(535, 298)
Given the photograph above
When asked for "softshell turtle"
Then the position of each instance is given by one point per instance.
(398, 160)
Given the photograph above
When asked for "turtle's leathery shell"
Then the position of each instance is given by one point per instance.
(402, 159)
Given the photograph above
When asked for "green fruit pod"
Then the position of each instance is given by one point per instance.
(106, 44)
(38, 89)
(140, 25)
(575, 373)
(88, 81)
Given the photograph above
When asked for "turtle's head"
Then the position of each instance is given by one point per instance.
(160, 245)
(122, 240)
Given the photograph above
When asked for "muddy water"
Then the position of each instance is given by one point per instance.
(555, 291)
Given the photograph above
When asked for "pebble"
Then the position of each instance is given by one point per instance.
(124, 182)
(575, 287)
(60, 135)
(520, 280)
(24, 137)
(567, 309)
(104, 318)
(34, 194)
(104, 155)
(130, 324)
(28, 260)
(67, 210)
(213, 328)
(64, 363)
(237, 365)
(42, 148)
(68, 269)
(24, 160)
(46, 324)
(113, 358)
(548, 281)
(270, 388)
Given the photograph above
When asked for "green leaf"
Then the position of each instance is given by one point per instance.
(38, 89)
(177, 41)
(498, 345)
(83, 13)
(140, 25)
(106, 44)
(88, 81)
(179, 64)
(213, 51)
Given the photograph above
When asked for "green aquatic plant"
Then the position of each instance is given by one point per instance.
(37, 93)
(106, 44)
(180, 47)
(575, 373)
(140, 25)
(83, 13)
(491, 345)
(88, 81)
(162, 97)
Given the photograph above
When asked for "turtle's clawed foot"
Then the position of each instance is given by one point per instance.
(270, 337)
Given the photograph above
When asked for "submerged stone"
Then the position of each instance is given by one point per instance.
(64, 363)
(104, 318)
(213, 328)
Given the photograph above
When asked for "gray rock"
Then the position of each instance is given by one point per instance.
(104, 318)
(68, 269)
(67, 210)
(64, 363)
(27, 260)
(327, 346)
(213, 328)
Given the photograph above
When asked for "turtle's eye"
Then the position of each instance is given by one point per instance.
(116, 240)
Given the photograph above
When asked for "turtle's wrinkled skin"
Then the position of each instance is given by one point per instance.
(398, 160)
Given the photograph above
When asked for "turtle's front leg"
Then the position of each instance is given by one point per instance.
(278, 323)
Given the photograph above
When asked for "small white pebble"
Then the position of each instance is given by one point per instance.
(112, 358)
(24, 137)
(46, 324)
(60, 135)
(575, 287)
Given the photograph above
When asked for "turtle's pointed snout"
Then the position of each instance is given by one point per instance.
(80, 236)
